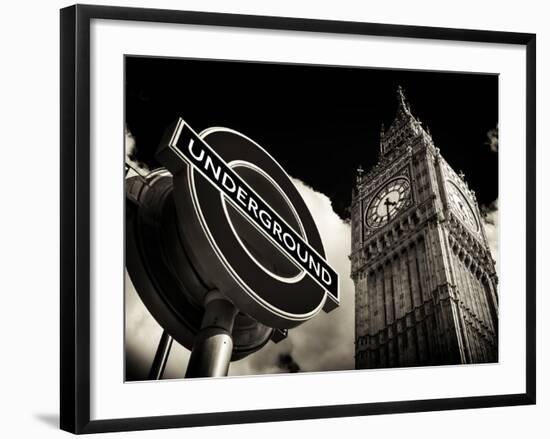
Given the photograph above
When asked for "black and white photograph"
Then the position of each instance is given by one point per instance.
(292, 218)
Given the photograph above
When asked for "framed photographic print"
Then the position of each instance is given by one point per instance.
(305, 218)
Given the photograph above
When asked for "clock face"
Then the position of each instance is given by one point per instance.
(388, 201)
(461, 206)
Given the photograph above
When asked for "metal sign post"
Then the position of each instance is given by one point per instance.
(161, 356)
(213, 344)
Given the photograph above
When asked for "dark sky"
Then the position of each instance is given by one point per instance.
(319, 122)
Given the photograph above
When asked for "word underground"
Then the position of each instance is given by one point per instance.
(199, 154)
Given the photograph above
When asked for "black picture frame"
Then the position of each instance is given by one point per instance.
(75, 217)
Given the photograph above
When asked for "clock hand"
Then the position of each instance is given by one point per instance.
(389, 203)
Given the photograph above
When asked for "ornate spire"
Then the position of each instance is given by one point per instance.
(401, 101)
(403, 127)
(360, 172)
(400, 96)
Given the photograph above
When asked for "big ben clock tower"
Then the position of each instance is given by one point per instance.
(425, 281)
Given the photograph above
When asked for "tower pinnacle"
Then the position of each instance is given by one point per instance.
(402, 102)
(403, 127)
(400, 95)
(360, 172)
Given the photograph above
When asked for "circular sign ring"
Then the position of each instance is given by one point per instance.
(221, 257)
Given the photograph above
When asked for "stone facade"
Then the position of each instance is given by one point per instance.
(425, 281)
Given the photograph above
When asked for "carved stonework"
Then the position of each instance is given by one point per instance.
(425, 281)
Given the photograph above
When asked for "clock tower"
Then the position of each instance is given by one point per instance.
(425, 281)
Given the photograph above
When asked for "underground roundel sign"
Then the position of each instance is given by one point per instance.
(246, 228)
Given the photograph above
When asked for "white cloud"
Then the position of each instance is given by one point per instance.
(492, 139)
(490, 213)
(130, 152)
(142, 332)
(142, 336)
(491, 224)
